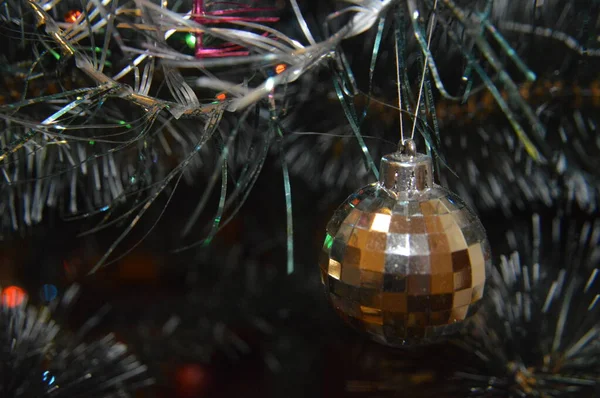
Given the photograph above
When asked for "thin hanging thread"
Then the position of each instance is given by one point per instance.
(429, 35)
(399, 90)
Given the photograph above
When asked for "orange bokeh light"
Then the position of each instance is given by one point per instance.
(280, 68)
(221, 96)
(12, 296)
(71, 16)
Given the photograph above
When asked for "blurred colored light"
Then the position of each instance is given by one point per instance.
(12, 296)
(54, 54)
(280, 68)
(49, 292)
(71, 16)
(221, 96)
(190, 40)
(48, 378)
(191, 380)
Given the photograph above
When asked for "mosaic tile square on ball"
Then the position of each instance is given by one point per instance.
(448, 222)
(441, 263)
(477, 264)
(338, 249)
(419, 244)
(419, 284)
(353, 217)
(371, 315)
(441, 206)
(395, 318)
(456, 239)
(334, 269)
(379, 202)
(372, 260)
(364, 204)
(438, 243)
(396, 264)
(445, 206)
(417, 225)
(371, 279)
(351, 258)
(442, 283)
(368, 297)
(420, 265)
(356, 293)
(439, 317)
(477, 292)
(398, 244)
(344, 232)
(462, 279)
(462, 297)
(376, 241)
(434, 224)
(460, 260)
(430, 207)
(418, 303)
(338, 218)
(381, 222)
(394, 283)
(400, 224)
(365, 221)
(440, 302)
(396, 303)
(351, 275)
(418, 319)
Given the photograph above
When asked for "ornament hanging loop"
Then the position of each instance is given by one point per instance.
(407, 147)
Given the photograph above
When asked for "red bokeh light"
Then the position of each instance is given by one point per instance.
(12, 296)
(192, 380)
(71, 16)
(280, 68)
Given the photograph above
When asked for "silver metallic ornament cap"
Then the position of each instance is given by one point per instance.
(406, 170)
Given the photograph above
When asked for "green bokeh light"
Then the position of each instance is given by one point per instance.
(190, 40)
(328, 241)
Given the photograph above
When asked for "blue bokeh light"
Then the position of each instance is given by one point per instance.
(48, 378)
(49, 292)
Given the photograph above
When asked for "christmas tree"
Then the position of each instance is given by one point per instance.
(170, 170)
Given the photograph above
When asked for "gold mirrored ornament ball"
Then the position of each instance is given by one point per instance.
(404, 259)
